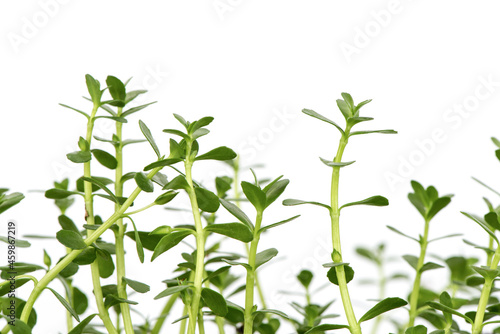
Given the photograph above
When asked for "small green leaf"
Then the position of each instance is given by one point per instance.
(181, 120)
(105, 263)
(222, 184)
(94, 88)
(83, 144)
(87, 256)
(202, 122)
(332, 274)
(305, 277)
(216, 273)
(255, 195)
(172, 290)
(344, 108)
(374, 200)
(348, 99)
(355, 120)
(101, 185)
(236, 231)
(143, 182)
(79, 157)
(412, 260)
(162, 163)
(276, 312)
(220, 153)
(214, 301)
(65, 303)
(20, 326)
(237, 212)
(492, 219)
(80, 301)
(292, 202)
(265, 256)
(116, 88)
(138, 243)
(275, 190)
(373, 131)
(177, 133)
(483, 224)
(278, 223)
(430, 266)
(78, 111)
(105, 159)
(137, 286)
(135, 109)
(78, 329)
(55, 193)
(325, 327)
(178, 182)
(322, 118)
(495, 141)
(207, 200)
(382, 307)
(165, 197)
(437, 206)
(8, 201)
(400, 233)
(169, 241)
(446, 309)
(71, 239)
(336, 164)
(487, 272)
(147, 133)
(419, 329)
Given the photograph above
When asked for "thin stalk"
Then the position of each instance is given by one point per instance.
(182, 328)
(354, 326)
(200, 245)
(220, 324)
(52, 273)
(250, 283)
(120, 233)
(418, 275)
(89, 213)
(477, 327)
(489, 255)
(382, 283)
(201, 324)
(164, 313)
(69, 317)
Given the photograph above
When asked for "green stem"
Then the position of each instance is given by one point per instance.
(354, 326)
(182, 328)
(141, 209)
(52, 273)
(489, 254)
(201, 324)
(477, 327)
(164, 313)
(89, 212)
(250, 283)
(381, 296)
(120, 234)
(220, 324)
(200, 245)
(69, 317)
(416, 284)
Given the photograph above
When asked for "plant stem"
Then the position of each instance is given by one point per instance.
(52, 273)
(382, 283)
(477, 327)
(250, 283)
(182, 329)
(164, 313)
(89, 214)
(200, 245)
(120, 233)
(201, 324)
(416, 284)
(354, 326)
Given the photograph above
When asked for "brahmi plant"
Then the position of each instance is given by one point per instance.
(219, 281)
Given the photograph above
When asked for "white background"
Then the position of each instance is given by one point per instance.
(254, 65)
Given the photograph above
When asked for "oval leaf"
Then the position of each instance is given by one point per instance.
(105, 159)
(332, 274)
(382, 307)
(222, 153)
(143, 182)
(374, 200)
(214, 301)
(71, 239)
(207, 200)
(236, 231)
(169, 241)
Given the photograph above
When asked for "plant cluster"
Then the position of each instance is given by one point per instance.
(206, 279)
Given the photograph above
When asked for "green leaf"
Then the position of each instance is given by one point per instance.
(143, 182)
(344, 108)
(325, 327)
(18, 242)
(105, 159)
(382, 307)
(216, 273)
(138, 242)
(78, 111)
(487, 272)
(220, 153)
(169, 241)
(276, 312)
(80, 301)
(135, 109)
(172, 290)
(204, 121)
(83, 145)
(222, 184)
(55, 193)
(181, 120)
(20, 326)
(437, 206)
(348, 99)
(5, 286)
(430, 266)
(79, 157)
(355, 120)
(78, 329)
(373, 131)
(207, 200)
(178, 182)
(147, 133)
(278, 223)
(214, 301)
(177, 133)
(116, 88)
(446, 309)
(292, 202)
(200, 133)
(492, 219)
(105, 263)
(332, 274)
(87, 256)
(137, 286)
(361, 104)
(65, 304)
(495, 141)
(102, 186)
(264, 256)
(374, 200)
(419, 329)
(322, 118)
(236, 231)
(94, 88)
(400, 233)
(483, 224)
(80, 183)
(162, 163)
(237, 212)
(71, 239)
(336, 164)
(412, 260)
(255, 195)
(8, 201)
(275, 190)
(305, 277)
(165, 197)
